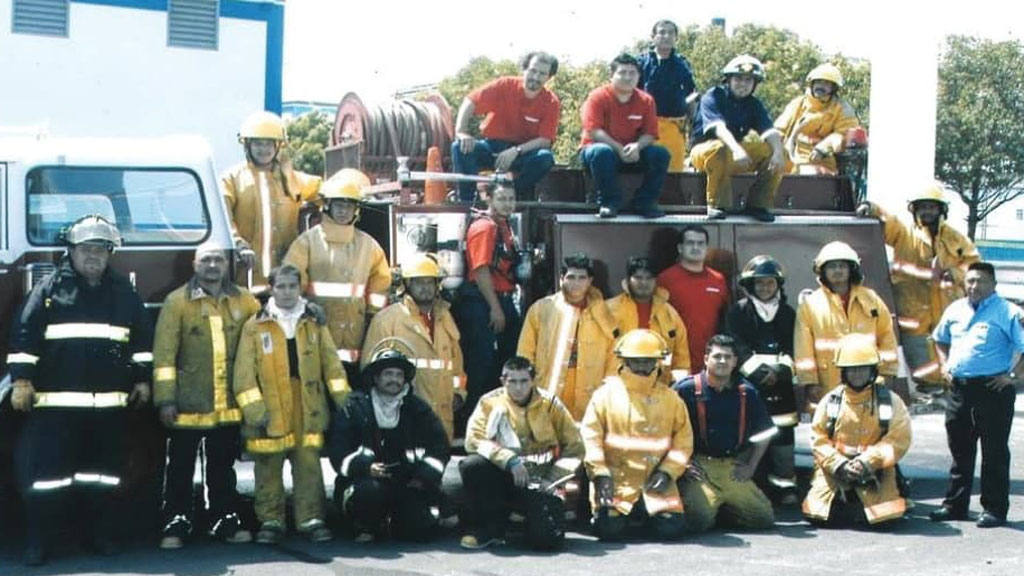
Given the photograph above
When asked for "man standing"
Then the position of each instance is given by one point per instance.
(486, 314)
(620, 125)
(723, 144)
(638, 443)
(263, 196)
(196, 337)
(698, 293)
(569, 335)
(667, 76)
(841, 305)
(343, 268)
(859, 432)
(814, 124)
(422, 320)
(929, 262)
(389, 450)
(81, 352)
(520, 124)
(733, 431)
(521, 441)
(643, 304)
(980, 340)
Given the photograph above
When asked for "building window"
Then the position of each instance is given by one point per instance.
(192, 23)
(1020, 214)
(45, 17)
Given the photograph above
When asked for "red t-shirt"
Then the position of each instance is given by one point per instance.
(480, 240)
(643, 314)
(623, 121)
(699, 298)
(511, 116)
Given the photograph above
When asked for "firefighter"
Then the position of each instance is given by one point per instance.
(344, 269)
(643, 304)
(859, 432)
(196, 337)
(390, 450)
(81, 352)
(263, 197)
(569, 335)
(638, 443)
(521, 444)
(929, 263)
(733, 134)
(762, 325)
(423, 320)
(733, 431)
(814, 124)
(285, 368)
(840, 306)
(486, 315)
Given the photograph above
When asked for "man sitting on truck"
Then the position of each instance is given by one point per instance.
(520, 123)
(814, 124)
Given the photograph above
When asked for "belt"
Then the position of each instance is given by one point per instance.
(974, 380)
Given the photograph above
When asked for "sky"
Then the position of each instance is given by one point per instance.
(376, 47)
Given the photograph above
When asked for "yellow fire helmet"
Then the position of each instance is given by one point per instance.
(744, 64)
(933, 192)
(856, 350)
(265, 125)
(835, 251)
(422, 265)
(92, 228)
(346, 184)
(827, 71)
(641, 343)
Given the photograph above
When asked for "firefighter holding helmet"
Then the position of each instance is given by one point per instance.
(637, 439)
(81, 353)
(343, 268)
(929, 263)
(859, 432)
(263, 197)
(814, 124)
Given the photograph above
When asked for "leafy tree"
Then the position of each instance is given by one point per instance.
(308, 135)
(979, 147)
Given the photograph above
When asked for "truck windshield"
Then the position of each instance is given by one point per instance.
(148, 206)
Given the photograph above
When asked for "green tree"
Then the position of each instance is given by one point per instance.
(308, 135)
(979, 139)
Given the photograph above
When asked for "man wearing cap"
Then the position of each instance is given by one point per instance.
(193, 366)
(81, 352)
(390, 450)
(263, 196)
(568, 337)
(980, 339)
(520, 124)
(732, 431)
(814, 124)
(422, 321)
(733, 134)
(644, 304)
(928, 266)
(344, 269)
(522, 443)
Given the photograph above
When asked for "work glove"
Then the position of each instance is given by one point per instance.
(658, 482)
(168, 414)
(605, 490)
(23, 396)
(139, 396)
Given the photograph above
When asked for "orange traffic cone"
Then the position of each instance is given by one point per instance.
(433, 190)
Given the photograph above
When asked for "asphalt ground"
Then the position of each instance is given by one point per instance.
(915, 546)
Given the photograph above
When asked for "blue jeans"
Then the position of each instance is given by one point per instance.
(603, 162)
(529, 167)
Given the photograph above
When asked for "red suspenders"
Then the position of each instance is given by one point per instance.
(702, 413)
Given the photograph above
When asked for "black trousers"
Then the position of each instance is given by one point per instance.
(221, 449)
(389, 508)
(492, 496)
(976, 413)
(662, 527)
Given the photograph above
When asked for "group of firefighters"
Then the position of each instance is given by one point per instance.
(668, 395)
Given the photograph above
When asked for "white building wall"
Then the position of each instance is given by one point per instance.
(115, 75)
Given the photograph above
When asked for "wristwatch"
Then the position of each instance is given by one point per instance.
(519, 150)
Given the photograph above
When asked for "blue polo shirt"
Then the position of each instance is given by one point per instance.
(669, 81)
(740, 115)
(723, 417)
(982, 340)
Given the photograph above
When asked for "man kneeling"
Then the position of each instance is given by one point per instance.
(522, 445)
(859, 432)
(390, 450)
